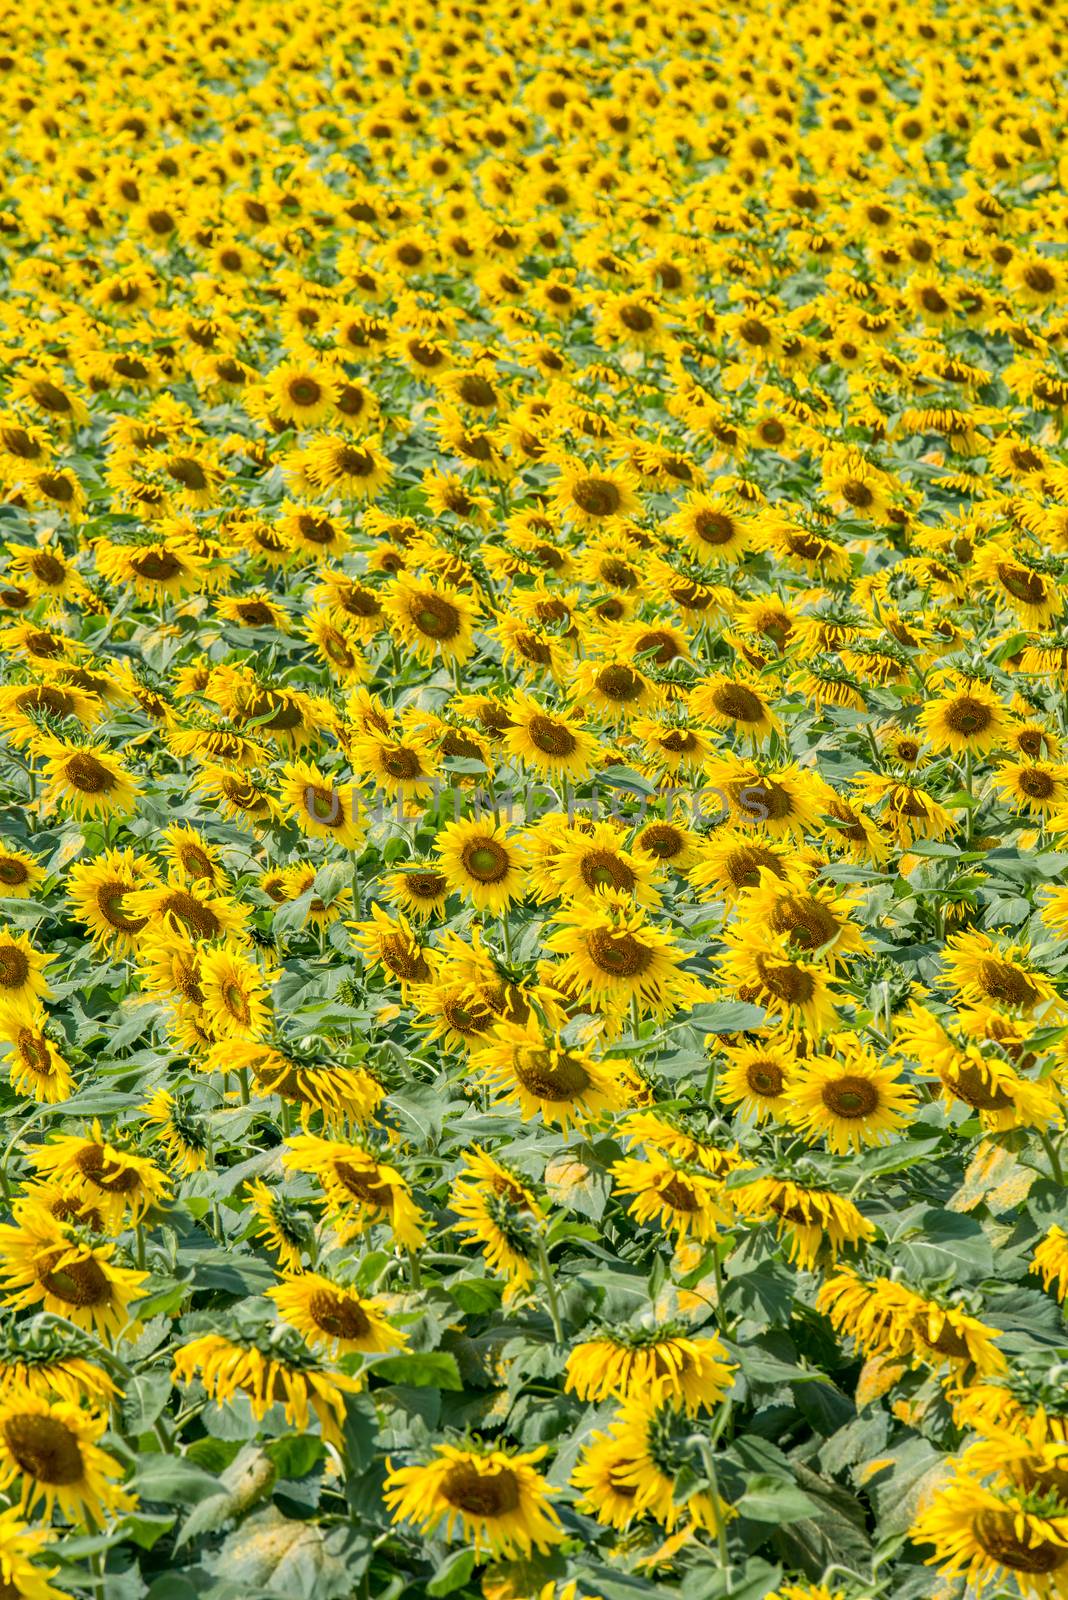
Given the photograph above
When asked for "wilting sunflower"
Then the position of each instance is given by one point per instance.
(360, 1190)
(650, 1446)
(1050, 1260)
(538, 1072)
(502, 1505)
(340, 1094)
(22, 980)
(849, 1102)
(269, 1365)
(36, 1066)
(483, 863)
(88, 780)
(113, 1178)
(333, 1317)
(179, 1130)
(985, 1535)
(53, 1360)
(24, 1566)
(498, 1210)
(812, 1220)
(49, 1264)
(627, 1361)
(50, 1456)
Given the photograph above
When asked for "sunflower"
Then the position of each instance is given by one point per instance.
(909, 812)
(982, 971)
(50, 1455)
(588, 497)
(501, 1502)
(391, 943)
(814, 1221)
(1036, 786)
(1050, 1260)
(695, 1373)
(417, 889)
(36, 1066)
(768, 970)
(987, 1535)
(21, 1572)
(404, 765)
(967, 719)
(301, 393)
(757, 1078)
(498, 1210)
(114, 1179)
(650, 1445)
(236, 993)
(523, 1066)
(712, 527)
(333, 1317)
(728, 700)
(615, 956)
(781, 801)
(553, 742)
(815, 920)
(20, 873)
(433, 620)
(269, 1366)
(321, 808)
(180, 1131)
(191, 911)
(614, 689)
(284, 1228)
(338, 465)
(850, 1102)
(591, 858)
(360, 1190)
(50, 1264)
(88, 780)
(668, 843)
(22, 980)
(480, 861)
(733, 861)
(681, 1198)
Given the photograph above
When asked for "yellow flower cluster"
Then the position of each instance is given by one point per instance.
(533, 701)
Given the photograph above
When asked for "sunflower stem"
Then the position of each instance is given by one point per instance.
(139, 1235)
(415, 1276)
(550, 1290)
(507, 937)
(242, 1084)
(1056, 1170)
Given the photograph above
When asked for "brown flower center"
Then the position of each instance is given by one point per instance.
(619, 955)
(602, 869)
(850, 1096)
(14, 966)
(598, 497)
(485, 860)
(736, 701)
(78, 1283)
(551, 738)
(85, 772)
(491, 1493)
(338, 1316)
(764, 1078)
(435, 617)
(44, 1449)
(551, 1075)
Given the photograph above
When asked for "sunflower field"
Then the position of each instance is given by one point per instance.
(534, 759)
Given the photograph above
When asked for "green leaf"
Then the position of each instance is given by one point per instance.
(768, 1499)
(435, 1369)
(453, 1573)
(173, 1481)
